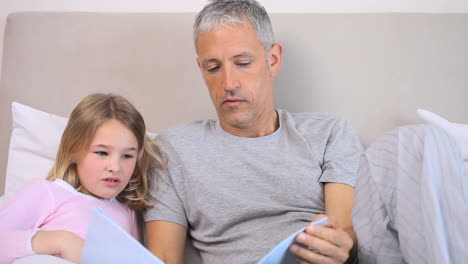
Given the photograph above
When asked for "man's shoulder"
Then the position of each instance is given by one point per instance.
(314, 116)
(314, 119)
(188, 130)
(316, 124)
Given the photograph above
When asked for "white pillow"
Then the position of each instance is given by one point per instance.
(33, 145)
(458, 131)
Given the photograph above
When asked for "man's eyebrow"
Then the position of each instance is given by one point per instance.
(205, 62)
(237, 56)
(243, 55)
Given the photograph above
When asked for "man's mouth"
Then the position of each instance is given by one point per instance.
(232, 101)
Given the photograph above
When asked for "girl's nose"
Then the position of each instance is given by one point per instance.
(113, 165)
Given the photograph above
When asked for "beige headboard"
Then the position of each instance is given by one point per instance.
(373, 69)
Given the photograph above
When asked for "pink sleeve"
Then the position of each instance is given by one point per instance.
(21, 217)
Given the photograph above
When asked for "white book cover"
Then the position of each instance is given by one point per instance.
(280, 254)
(107, 242)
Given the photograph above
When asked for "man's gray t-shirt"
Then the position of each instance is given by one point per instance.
(241, 196)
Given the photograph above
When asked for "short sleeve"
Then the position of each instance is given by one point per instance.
(342, 155)
(167, 203)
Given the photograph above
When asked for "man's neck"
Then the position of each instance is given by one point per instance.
(263, 127)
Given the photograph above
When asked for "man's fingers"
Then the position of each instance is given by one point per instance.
(335, 236)
(305, 254)
(323, 244)
(323, 247)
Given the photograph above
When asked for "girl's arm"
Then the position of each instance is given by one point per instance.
(21, 217)
(60, 243)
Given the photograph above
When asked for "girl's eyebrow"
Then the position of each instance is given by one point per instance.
(109, 147)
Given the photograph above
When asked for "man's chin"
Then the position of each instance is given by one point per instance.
(238, 120)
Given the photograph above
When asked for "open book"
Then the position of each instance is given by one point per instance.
(107, 242)
(280, 254)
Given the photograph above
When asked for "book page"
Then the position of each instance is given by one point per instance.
(280, 253)
(107, 242)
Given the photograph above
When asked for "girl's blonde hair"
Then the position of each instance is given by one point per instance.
(85, 119)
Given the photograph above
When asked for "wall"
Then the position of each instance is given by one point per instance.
(275, 6)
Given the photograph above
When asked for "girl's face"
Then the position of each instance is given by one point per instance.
(107, 166)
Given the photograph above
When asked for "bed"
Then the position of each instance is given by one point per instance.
(373, 69)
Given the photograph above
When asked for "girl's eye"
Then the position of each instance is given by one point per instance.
(101, 153)
(127, 156)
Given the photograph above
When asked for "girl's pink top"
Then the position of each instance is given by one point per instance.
(56, 205)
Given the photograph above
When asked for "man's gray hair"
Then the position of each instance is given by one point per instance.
(229, 12)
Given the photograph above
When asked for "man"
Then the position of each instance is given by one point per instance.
(241, 184)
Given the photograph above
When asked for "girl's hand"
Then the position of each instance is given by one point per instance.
(60, 243)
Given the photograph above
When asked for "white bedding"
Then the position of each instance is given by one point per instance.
(41, 259)
(410, 202)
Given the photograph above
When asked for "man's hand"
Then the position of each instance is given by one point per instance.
(60, 243)
(327, 244)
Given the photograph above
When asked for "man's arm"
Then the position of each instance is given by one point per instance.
(339, 204)
(167, 241)
(333, 241)
(339, 199)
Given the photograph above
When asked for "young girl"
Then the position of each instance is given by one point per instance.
(104, 160)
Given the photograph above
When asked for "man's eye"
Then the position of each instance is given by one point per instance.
(243, 64)
(101, 153)
(212, 69)
(127, 156)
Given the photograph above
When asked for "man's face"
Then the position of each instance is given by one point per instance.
(234, 66)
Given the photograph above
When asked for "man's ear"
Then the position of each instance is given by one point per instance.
(276, 53)
(198, 62)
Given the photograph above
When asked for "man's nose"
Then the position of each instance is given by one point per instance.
(230, 81)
